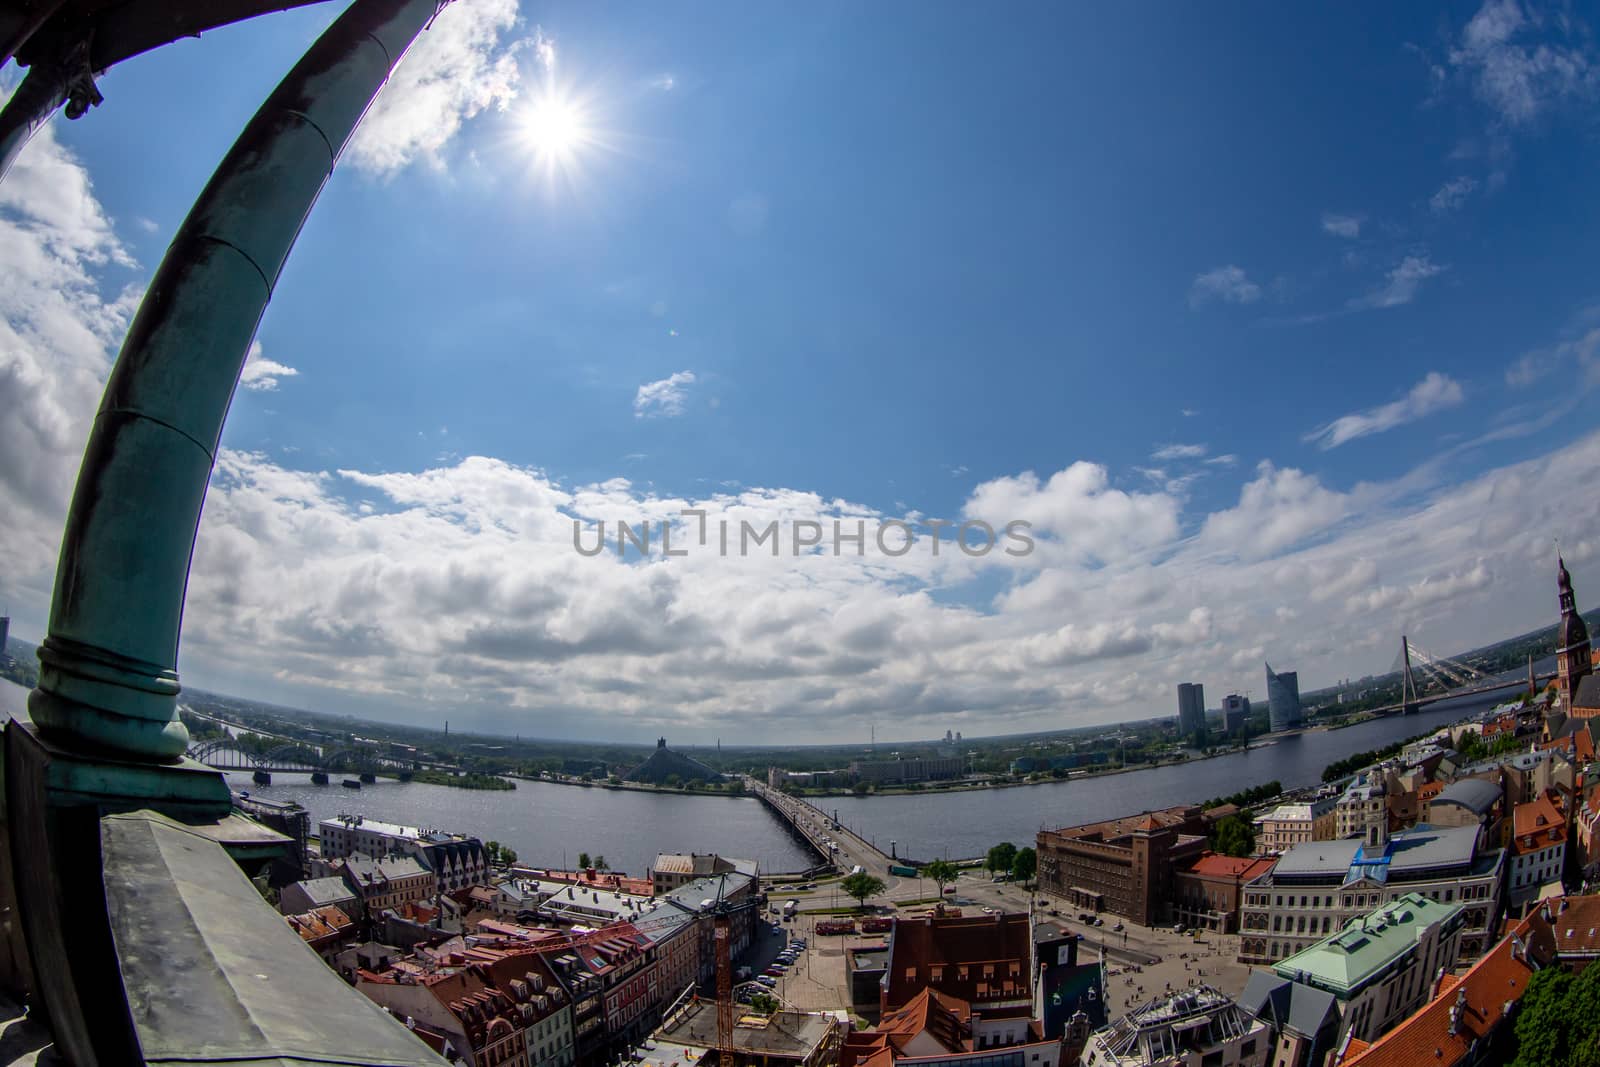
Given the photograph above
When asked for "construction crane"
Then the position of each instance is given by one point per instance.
(722, 913)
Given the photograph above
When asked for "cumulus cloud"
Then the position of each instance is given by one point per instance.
(58, 253)
(1279, 509)
(1228, 284)
(1451, 195)
(465, 63)
(664, 398)
(1401, 284)
(1078, 509)
(1348, 226)
(1520, 63)
(261, 374)
(1437, 392)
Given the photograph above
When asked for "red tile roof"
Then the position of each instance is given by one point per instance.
(1478, 1003)
(952, 955)
(1230, 868)
(942, 1017)
(1538, 824)
(1575, 925)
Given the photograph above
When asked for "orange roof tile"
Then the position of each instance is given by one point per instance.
(1536, 825)
(1477, 1001)
(1242, 868)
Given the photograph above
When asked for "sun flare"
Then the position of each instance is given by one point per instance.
(555, 127)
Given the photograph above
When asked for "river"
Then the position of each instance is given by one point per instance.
(967, 823)
(550, 824)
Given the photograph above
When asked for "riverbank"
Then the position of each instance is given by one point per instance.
(489, 782)
(989, 785)
(630, 787)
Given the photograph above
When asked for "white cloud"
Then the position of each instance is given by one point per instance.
(1451, 195)
(1077, 509)
(1169, 452)
(544, 51)
(1227, 459)
(1435, 393)
(58, 254)
(1229, 284)
(465, 63)
(665, 83)
(663, 398)
(1401, 285)
(1430, 589)
(1583, 351)
(1516, 76)
(1279, 509)
(1341, 225)
(260, 374)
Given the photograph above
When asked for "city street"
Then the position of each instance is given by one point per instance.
(1141, 962)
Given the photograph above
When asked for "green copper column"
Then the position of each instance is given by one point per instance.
(108, 667)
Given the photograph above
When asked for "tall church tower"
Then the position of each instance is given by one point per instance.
(1572, 647)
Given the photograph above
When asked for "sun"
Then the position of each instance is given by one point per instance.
(556, 129)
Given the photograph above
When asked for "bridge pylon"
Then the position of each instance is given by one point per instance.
(1408, 681)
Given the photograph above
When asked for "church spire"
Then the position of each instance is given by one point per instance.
(1573, 657)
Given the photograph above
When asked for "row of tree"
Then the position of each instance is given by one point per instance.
(499, 855)
(1005, 858)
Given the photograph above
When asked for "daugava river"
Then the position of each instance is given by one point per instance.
(550, 824)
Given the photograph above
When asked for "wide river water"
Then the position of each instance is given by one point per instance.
(550, 824)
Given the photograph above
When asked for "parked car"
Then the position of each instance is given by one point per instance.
(777, 970)
(769, 982)
(798, 942)
(1119, 927)
(1099, 921)
(988, 911)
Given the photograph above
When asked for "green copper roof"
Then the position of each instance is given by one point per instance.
(1344, 962)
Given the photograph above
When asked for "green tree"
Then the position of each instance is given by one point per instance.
(861, 886)
(736, 787)
(508, 856)
(491, 852)
(1542, 1027)
(1024, 866)
(672, 781)
(943, 872)
(1234, 837)
(859, 789)
(694, 785)
(764, 1004)
(1000, 857)
(1471, 747)
(600, 864)
(583, 861)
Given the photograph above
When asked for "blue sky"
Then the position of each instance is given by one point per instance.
(1277, 324)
